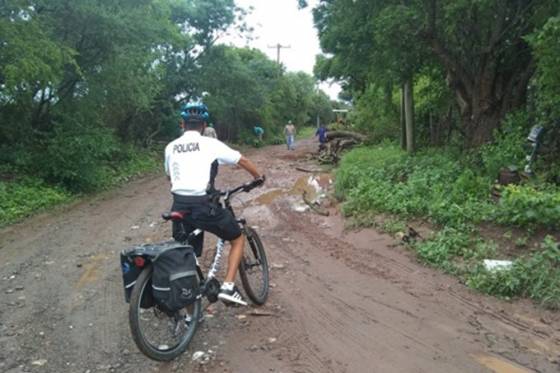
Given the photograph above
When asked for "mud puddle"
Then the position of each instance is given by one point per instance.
(499, 365)
(269, 197)
(313, 188)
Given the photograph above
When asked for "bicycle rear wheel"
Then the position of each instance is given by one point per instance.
(253, 269)
(159, 336)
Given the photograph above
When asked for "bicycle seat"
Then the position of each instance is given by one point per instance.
(174, 215)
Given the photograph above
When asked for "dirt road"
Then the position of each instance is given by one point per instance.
(340, 301)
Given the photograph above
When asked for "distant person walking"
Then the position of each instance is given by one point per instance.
(322, 134)
(209, 131)
(290, 133)
(259, 132)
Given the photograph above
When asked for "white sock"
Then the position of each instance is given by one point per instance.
(228, 286)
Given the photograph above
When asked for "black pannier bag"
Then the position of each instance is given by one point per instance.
(175, 280)
(130, 273)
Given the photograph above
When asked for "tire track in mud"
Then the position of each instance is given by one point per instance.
(330, 311)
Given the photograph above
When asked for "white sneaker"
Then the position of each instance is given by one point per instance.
(231, 296)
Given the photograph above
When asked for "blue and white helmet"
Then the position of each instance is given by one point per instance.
(194, 111)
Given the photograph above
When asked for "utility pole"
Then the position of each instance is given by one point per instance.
(278, 47)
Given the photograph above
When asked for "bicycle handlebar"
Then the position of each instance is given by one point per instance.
(247, 187)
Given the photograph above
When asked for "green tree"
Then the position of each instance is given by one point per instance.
(245, 87)
(88, 70)
(480, 45)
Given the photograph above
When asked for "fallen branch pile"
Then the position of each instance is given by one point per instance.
(337, 142)
(314, 206)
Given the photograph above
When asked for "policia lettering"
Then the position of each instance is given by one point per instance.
(186, 148)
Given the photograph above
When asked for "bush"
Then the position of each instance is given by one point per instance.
(434, 184)
(431, 183)
(525, 206)
(378, 121)
(362, 163)
(446, 245)
(536, 276)
(24, 197)
(130, 162)
(508, 146)
(74, 156)
(454, 249)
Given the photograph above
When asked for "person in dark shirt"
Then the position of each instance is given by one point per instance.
(322, 133)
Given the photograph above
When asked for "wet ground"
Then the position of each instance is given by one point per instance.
(340, 301)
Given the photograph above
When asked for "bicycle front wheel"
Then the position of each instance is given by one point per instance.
(158, 335)
(253, 269)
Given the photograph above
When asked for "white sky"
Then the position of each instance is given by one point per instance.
(280, 21)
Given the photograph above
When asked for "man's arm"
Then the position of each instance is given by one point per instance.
(249, 166)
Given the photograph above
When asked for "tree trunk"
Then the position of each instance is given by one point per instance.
(479, 129)
(489, 79)
(409, 115)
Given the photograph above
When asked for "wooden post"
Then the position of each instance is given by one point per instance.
(403, 121)
(409, 115)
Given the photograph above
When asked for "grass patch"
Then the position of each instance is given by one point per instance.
(451, 190)
(536, 276)
(306, 132)
(24, 196)
(439, 186)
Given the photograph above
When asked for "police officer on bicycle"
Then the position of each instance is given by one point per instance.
(188, 164)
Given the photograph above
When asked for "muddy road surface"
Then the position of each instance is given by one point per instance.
(340, 301)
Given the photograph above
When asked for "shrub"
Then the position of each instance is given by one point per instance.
(524, 205)
(378, 121)
(434, 184)
(385, 179)
(446, 245)
(536, 276)
(130, 162)
(74, 156)
(21, 198)
(508, 146)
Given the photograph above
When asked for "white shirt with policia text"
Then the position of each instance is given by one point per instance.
(189, 158)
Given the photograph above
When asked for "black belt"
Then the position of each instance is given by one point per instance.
(191, 199)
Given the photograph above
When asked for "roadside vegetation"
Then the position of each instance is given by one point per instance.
(90, 91)
(447, 93)
(450, 194)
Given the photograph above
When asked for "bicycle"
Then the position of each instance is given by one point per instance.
(145, 316)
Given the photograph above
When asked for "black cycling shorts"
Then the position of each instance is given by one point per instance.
(206, 216)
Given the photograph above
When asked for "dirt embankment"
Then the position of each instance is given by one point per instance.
(340, 301)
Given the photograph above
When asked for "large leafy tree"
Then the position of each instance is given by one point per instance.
(102, 62)
(481, 45)
(73, 74)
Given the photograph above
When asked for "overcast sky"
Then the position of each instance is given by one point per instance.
(280, 21)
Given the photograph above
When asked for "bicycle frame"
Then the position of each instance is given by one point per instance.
(210, 282)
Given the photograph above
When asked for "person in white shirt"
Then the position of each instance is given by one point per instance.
(188, 162)
(290, 133)
(210, 131)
